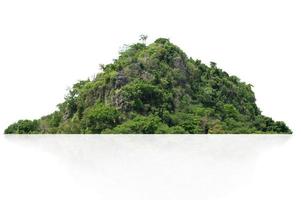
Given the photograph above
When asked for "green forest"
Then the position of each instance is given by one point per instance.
(156, 89)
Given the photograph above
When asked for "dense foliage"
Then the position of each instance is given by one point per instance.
(156, 88)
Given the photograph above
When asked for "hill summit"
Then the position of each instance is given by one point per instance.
(156, 88)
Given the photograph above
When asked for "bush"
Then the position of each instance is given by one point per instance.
(189, 122)
(140, 124)
(23, 126)
(71, 126)
(142, 96)
(171, 130)
(98, 118)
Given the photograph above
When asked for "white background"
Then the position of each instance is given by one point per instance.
(46, 46)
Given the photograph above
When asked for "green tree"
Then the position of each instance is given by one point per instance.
(99, 117)
(143, 38)
(23, 126)
(142, 97)
(140, 124)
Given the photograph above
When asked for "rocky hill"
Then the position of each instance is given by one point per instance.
(156, 88)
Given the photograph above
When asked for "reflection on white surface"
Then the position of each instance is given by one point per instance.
(142, 166)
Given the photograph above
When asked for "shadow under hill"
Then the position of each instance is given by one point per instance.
(206, 164)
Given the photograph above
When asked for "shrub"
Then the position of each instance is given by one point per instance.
(23, 126)
(98, 118)
(140, 124)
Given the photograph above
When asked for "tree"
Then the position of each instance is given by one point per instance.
(23, 126)
(229, 111)
(212, 64)
(99, 117)
(143, 38)
(142, 97)
(140, 124)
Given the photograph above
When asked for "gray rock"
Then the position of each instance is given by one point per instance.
(121, 80)
(179, 63)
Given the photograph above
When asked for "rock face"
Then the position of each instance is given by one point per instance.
(179, 63)
(156, 88)
(121, 80)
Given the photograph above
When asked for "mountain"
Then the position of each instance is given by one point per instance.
(156, 88)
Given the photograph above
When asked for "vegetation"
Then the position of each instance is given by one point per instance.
(156, 88)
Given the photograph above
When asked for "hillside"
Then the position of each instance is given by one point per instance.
(156, 88)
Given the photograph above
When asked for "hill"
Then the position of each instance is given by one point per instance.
(156, 88)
